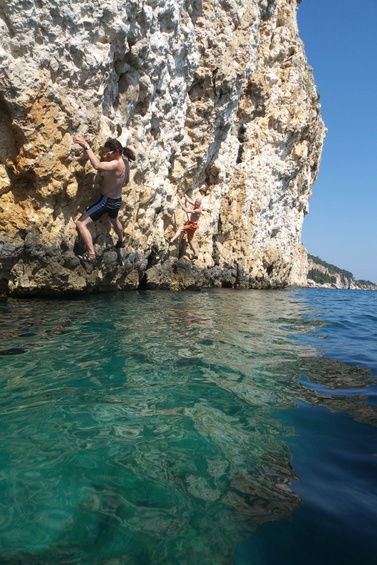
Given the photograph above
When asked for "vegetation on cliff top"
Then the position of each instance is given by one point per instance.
(320, 277)
(331, 268)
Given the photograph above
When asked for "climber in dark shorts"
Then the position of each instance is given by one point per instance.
(115, 169)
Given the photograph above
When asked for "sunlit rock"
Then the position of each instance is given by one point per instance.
(215, 97)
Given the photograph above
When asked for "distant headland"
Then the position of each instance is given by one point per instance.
(325, 275)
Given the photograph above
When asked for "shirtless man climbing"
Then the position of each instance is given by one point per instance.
(115, 171)
(191, 226)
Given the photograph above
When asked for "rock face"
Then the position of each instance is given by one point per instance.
(215, 97)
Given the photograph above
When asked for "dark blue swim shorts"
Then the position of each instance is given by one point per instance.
(105, 205)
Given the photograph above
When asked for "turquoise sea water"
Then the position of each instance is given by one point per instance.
(215, 427)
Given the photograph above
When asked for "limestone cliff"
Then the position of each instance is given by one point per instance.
(214, 96)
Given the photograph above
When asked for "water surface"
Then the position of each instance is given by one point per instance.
(206, 427)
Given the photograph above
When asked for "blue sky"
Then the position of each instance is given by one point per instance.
(341, 46)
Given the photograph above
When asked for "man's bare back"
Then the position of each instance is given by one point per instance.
(195, 215)
(115, 169)
(112, 181)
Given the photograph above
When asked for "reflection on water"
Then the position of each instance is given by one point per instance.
(145, 428)
(339, 387)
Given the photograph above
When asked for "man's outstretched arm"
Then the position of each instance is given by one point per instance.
(192, 202)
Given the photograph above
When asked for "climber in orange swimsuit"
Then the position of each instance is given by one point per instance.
(191, 226)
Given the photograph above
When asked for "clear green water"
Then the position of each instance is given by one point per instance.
(164, 428)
